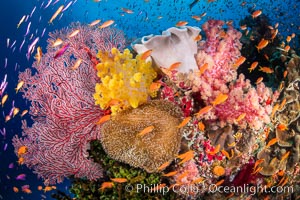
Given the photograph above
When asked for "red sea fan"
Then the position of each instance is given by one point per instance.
(62, 105)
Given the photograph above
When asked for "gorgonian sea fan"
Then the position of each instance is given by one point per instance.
(62, 105)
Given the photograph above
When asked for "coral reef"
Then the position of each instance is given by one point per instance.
(62, 106)
(120, 136)
(123, 79)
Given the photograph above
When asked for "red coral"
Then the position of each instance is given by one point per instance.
(63, 108)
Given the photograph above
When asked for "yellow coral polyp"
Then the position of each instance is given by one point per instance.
(124, 78)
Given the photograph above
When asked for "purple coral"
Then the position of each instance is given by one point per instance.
(62, 106)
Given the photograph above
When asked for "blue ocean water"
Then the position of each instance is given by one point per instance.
(148, 17)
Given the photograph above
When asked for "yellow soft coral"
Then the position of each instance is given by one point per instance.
(124, 79)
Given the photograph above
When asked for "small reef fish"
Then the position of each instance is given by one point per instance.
(22, 150)
(170, 174)
(15, 189)
(241, 116)
(262, 44)
(257, 170)
(145, 131)
(181, 23)
(186, 156)
(201, 126)
(105, 185)
(272, 142)
(58, 11)
(146, 54)
(285, 73)
(107, 24)
(24, 113)
(19, 85)
(21, 177)
(203, 68)
(21, 21)
(103, 119)
(93, 23)
(221, 98)
(174, 66)
(198, 38)
(119, 180)
(77, 64)
(197, 18)
(198, 180)
(15, 111)
(267, 70)
(253, 66)
(128, 11)
(38, 55)
(184, 122)
(57, 42)
(163, 166)
(74, 33)
(256, 13)
(239, 61)
(259, 80)
(61, 51)
(282, 127)
(154, 87)
(203, 111)
(215, 151)
(4, 99)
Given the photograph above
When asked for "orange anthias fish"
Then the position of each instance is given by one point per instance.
(154, 87)
(201, 126)
(285, 156)
(188, 156)
(145, 131)
(197, 18)
(181, 23)
(20, 84)
(163, 166)
(4, 99)
(282, 127)
(22, 150)
(57, 42)
(93, 23)
(253, 66)
(174, 66)
(170, 174)
(146, 54)
(256, 13)
(267, 70)
(76, 64)
(103, 119)
(107, 24)
(38, 55)
(74, 33)
(259, 80)
(216, 150)
(272, 142)
(262, 44)
(221, 98)
(128, 11)
(58, 11)
(184, 122)
(203, 68)
(203, 111)
(241, 116)
(258, 162)
(105, 185)
(119, 180)
(239, 61)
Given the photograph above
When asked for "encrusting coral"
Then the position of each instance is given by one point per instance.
(122, 141)
(124, 79)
